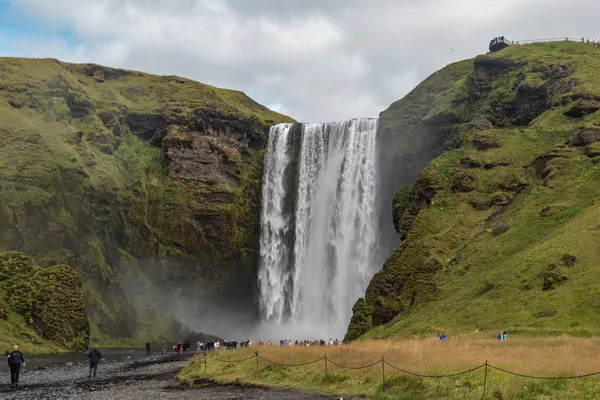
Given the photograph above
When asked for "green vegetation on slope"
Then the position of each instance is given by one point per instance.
(49, 300)
(500, 230)
(136, 181)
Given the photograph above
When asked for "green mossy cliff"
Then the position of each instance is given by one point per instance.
(147, 186)
(499, 162)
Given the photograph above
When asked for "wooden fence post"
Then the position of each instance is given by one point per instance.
(256, 354)
(383, 369)
(325, 364)
(205, 362)
(485, 379)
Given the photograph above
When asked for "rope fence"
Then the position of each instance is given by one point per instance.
(501, 42)
(383, 363)
(556, 39)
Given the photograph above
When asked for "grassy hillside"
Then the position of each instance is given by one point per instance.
(501, 230)
(145, 185)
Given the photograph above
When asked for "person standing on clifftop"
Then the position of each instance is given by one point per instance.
(14, 360)
(147, 347)
(94, 355)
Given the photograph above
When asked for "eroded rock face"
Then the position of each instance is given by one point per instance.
(148, 186)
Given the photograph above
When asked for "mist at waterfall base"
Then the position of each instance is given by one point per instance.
(321, 237)
(319, 243)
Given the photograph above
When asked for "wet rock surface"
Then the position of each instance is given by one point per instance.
(138, 377)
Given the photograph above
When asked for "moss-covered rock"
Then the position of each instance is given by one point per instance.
(13, 263)
(361, 320)
(405, 208)
(50, 301)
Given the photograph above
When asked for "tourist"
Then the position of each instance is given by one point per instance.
(337, 342)
(15, 359)
(198, 346)
(94, 355)
(147, 347)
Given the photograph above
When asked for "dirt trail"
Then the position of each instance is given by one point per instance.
(140, 377)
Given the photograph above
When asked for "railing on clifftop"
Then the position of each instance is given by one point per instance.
(501, 42)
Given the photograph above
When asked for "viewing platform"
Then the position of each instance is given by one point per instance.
(500, 42)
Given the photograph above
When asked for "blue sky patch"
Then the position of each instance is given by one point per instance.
(16, 26)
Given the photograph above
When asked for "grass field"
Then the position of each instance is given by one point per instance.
(546, 357)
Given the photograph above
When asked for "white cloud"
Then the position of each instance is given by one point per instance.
(313, 59)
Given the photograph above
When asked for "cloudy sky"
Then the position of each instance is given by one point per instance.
(315, 60)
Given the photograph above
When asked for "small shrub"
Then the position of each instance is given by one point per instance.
(500, 228)
(544, 313)
(486, 288)
(552, 278)
(569, 260)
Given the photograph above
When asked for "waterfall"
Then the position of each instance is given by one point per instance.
(319, 234)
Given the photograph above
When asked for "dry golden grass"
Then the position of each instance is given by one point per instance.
(546, 357)
(540, 356)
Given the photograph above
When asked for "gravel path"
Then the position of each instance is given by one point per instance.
(146, 378)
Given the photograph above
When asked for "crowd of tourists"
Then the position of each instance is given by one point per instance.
(230, 345)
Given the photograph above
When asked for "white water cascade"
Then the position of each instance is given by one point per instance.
(319, 235)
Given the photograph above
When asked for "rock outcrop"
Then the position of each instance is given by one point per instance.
(480, 148)
(147, 186)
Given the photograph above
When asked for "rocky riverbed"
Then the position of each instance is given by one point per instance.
(122, 376)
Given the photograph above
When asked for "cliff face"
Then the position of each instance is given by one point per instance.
(497, 227)
(147, 186)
